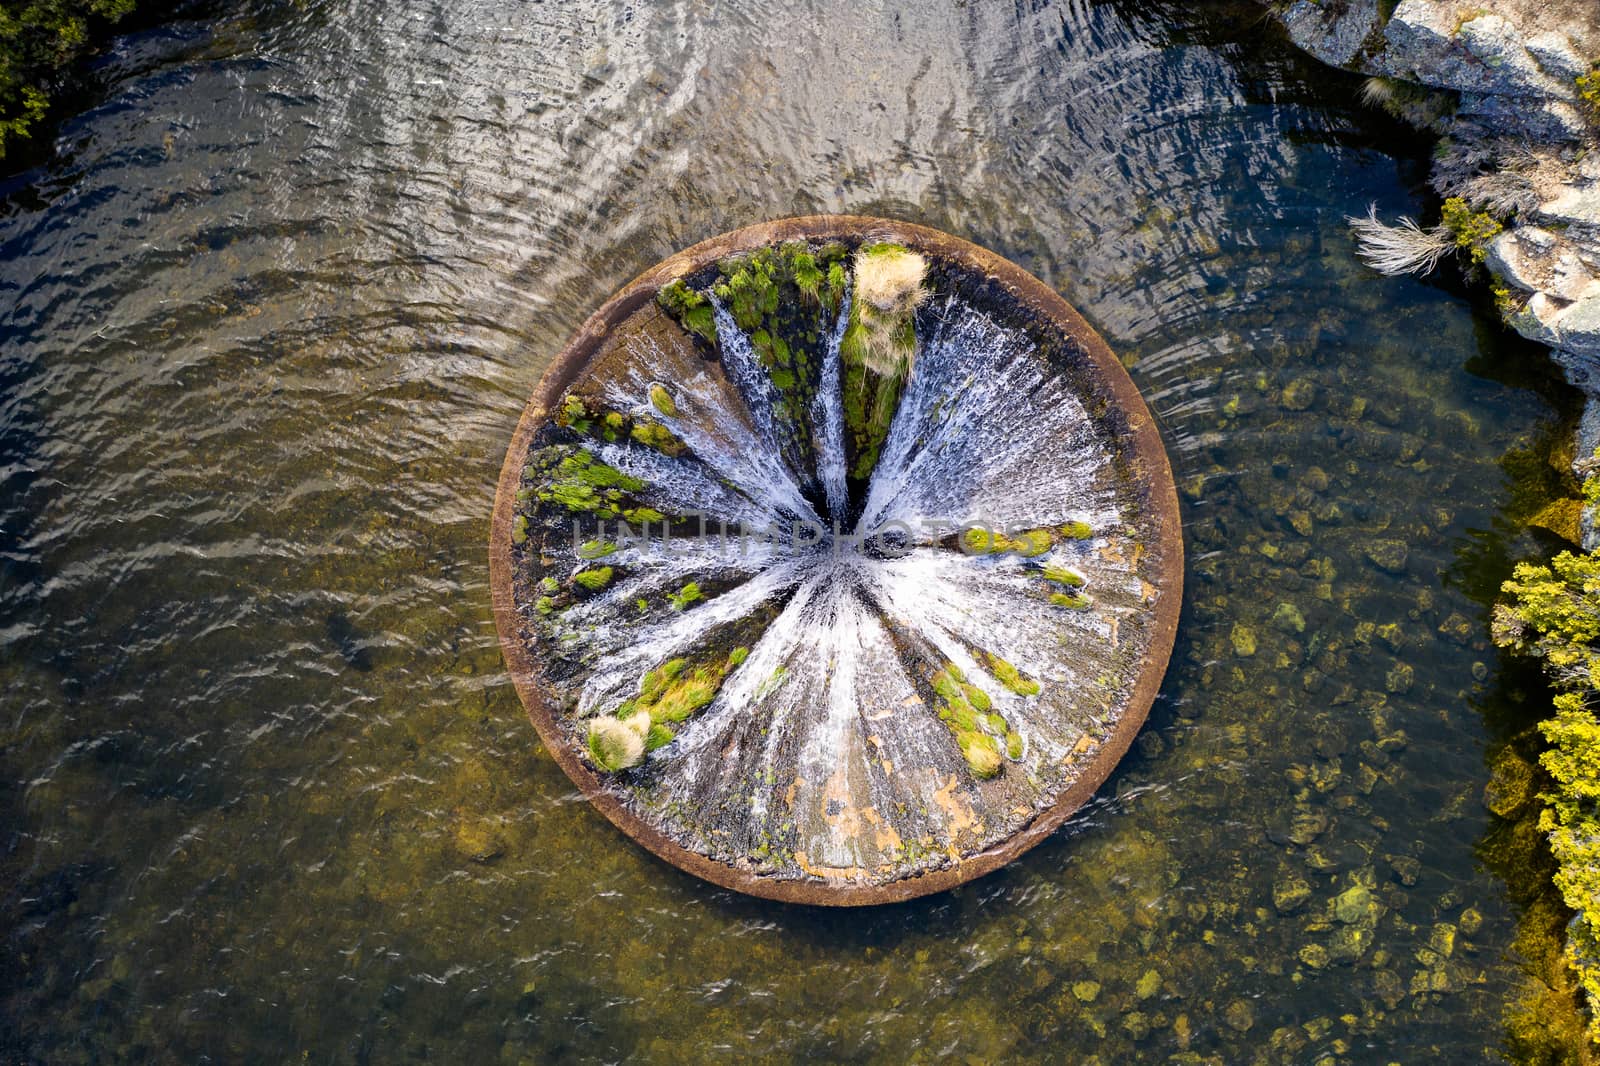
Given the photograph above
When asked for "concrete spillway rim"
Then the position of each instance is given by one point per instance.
(1148, 456)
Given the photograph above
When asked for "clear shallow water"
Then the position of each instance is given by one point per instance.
(267, 329)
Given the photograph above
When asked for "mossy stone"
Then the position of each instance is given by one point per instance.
(1510, 784)
(1356, 905)
(1387, 554)
(1288, 618)
(1298, 395)
(1290, 894)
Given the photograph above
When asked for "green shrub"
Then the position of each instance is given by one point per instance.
(38, 38)
(1554, 614)
(1589, 92)
(1471, 231)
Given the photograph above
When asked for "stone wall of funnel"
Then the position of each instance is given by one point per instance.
(834, 718)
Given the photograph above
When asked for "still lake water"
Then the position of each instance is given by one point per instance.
(268, 324)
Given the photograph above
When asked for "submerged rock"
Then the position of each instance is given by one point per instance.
(1510, 784)
(1290, 894)
(1387, 554)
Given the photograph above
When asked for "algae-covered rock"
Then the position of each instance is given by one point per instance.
(1510, 784)
(477, 839)
(1290, 894)
(1288, 618)
(1561, 517)
(1443, 939)
(1243, 639)
(1086, 991)
(1400, 678)
(1298, 395)
(1406, 869)
(1387, 554)
(1356, 905)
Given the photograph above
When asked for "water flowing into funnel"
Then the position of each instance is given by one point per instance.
(830, 589)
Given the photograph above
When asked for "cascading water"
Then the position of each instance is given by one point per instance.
(844, 568)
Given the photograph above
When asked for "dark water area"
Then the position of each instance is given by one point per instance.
(268, 321)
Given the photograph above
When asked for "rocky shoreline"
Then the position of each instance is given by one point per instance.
(1512, 88)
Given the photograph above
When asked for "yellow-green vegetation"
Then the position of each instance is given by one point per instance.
(1032, 542)
(1074, 601)
(577, 481)
(1471, 231)
(808, 277)
(668, 695)
(983, 736)
(594, 579)
(1554, 614)
(613, 426)
(1064, 575)
(653, 434)
(1009, 676)
(662, 401)
(1076, 530)
(574, 415)
(39, 38)
(879, 345)
(691, 309)
(785, 299)
(681, 599)
(1589, 92)
(614, 743)
(772, 683)
(1505, 300)
(595, 549)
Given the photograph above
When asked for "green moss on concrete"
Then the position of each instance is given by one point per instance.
(663, 402)
(1009, 676)
(595, 549)
(980, 734)
(692, 310)
(595, 579)
(1076, 530)
(684, 597)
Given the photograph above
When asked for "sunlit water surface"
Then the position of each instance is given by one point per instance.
(268, 324)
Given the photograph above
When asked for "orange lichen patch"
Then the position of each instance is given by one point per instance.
(958, 812)
(1122, 553)
(883, 834)
(837, 809)
(788, 795)
(1113, 552)
(1083, 746)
